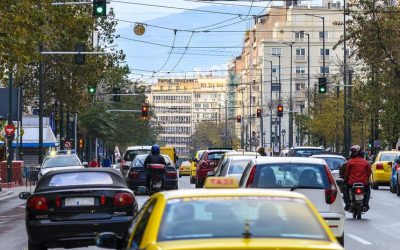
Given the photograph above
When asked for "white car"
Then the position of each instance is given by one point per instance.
(130, 154)
(309, 176)
(333, 161)
(59, 161)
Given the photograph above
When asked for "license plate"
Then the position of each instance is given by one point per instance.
(359, 197)
(81, 201)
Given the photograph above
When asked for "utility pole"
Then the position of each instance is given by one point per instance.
(349, 112)
(308, 80)
(10, 122)
(21, 93)
(345, 146)
(291, 99)
(41, 90)
(262, 111)
(280, 103)
(226, 121)
(270, 110)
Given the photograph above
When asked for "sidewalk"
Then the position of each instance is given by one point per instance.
(6, 193)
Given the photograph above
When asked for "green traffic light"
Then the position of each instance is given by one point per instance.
(99, 10)
(92, 90)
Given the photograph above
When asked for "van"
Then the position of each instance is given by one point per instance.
(170, 151)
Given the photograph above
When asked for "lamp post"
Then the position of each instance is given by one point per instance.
(283, 138)
(323, 40)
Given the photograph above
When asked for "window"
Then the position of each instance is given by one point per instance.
(300, 86)
(321, 52)
(300, 54)
(277, 51)
(80, 179)
(275, 69)
(300, 70)
(321, 35)
(299, 36)
(205, 105)
(141, 221)
(275, 86)
(321, 70)
(197, 105)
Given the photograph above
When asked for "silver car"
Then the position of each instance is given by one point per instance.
(56, 161)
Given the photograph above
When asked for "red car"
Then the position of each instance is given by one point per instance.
(208, 161)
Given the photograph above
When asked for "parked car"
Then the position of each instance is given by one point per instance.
(382, 169)
(57, 160)
(304, 151)
(394, 184)
(309, 176)
(208, 161)
(136, 176)
(69, 208)
(130, 154)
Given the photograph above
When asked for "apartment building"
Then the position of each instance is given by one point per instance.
(180, 103)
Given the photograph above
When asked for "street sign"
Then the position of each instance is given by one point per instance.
(9, 130)
(67, 144)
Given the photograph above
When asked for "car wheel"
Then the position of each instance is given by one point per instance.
(373, 184)
(341, 240)
(192, 181)
(36, 246)
(180, 176)
(398, 188)
(198, 184)
(391, 188)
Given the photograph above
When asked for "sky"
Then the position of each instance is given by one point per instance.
(150, 61)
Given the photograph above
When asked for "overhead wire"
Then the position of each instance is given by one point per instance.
(169, 54)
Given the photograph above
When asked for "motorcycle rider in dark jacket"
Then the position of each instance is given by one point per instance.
(153, 158)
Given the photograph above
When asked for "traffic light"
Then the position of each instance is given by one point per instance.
(79, 59)
(239, 118)
(280, 111)
(81, 143)
(99, 8)
(322, 85)
(145, 111)
(116, 97)
(259, 113)
(92, 89)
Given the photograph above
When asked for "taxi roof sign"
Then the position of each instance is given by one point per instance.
(221, 182)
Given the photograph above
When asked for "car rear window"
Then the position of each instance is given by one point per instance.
(130, 154)
(388, 157)
(232, 217)
(306, 152)
(61, 161)
(215, 155)
(80, 179)
(332, 162)
(285, 175)
(238, 166)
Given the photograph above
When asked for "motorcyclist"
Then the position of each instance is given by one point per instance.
(153, 158)
(357, 170)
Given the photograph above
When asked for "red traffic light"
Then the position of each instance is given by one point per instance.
(145, 111)
(259, 113)
(239, 118)
(280, 110)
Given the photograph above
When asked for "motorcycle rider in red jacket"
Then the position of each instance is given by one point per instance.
(358, 170)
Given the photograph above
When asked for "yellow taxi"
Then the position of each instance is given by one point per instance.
(382, 168)
(184, 169)
(225, 218)
(193, 163)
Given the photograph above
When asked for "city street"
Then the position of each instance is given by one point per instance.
(377, 229)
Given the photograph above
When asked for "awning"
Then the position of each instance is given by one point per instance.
(30, 138)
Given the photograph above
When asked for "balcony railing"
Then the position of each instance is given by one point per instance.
(327, 58)
(300, 58)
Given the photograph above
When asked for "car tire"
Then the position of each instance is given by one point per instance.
(391, 188)
(36, 246)
(398, 188)
(341, 240)
(198, 184)
(180, 176)
(373, 184)
(192, 180)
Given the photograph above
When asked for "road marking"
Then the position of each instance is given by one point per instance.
(359, 239)
(14, 215)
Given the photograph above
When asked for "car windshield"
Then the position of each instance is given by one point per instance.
(130, 154)
(388, 157)
(238, 166)
(80, 179)
(305, 152)
(233, 217)
(215, 155)
(284, 175)
(334, 163)
(61, 161)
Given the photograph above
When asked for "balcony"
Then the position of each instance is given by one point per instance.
(299, 39)
(327, 58)
(300, 75)
(300, 58)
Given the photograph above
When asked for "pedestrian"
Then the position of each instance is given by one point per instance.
(106, 162)
(93, 163)
(261, 151)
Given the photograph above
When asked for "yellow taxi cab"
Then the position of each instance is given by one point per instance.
(223, 217)
(193, 163)
(184, 169)
(382, 168)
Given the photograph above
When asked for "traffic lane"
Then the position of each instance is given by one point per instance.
(378, 227)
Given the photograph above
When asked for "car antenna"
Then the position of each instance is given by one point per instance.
(246, 234)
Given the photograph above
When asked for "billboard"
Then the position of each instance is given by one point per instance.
(4, 104)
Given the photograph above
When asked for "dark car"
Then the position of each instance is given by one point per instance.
(69, 208)
(136, 176)
(305, 151)
(207, 163)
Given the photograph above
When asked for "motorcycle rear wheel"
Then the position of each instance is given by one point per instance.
(359, 211)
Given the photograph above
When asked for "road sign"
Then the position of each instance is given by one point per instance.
(9, 129)
(67, 144)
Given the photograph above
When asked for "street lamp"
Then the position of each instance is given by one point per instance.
(323, 40)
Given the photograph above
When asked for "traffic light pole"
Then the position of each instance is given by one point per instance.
(41, 90)
(10, 122)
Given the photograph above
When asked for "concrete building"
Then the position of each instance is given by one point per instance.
(179, 104)
(280, 37)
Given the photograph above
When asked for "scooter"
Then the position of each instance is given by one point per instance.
(357, 194)
(157, 172)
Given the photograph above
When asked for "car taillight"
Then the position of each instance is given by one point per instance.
(122, 199)
(358, 191)
(204, 164)
(251, 176)
(396, 167)
(102, 199)
(379, 166)
(331, 190)
(38, 203)
(134, 174)
(58, 201)
(171, 174)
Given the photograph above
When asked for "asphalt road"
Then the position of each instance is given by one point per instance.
(377, 229)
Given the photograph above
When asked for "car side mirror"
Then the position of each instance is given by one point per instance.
(210, 173)
(24, 195)
(109, 240)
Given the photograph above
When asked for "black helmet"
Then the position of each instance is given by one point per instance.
(155, 149)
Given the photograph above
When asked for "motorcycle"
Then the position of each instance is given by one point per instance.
(357, 195)
(157, 172)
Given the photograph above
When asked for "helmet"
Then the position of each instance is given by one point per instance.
(155, 149)
(355, 150)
